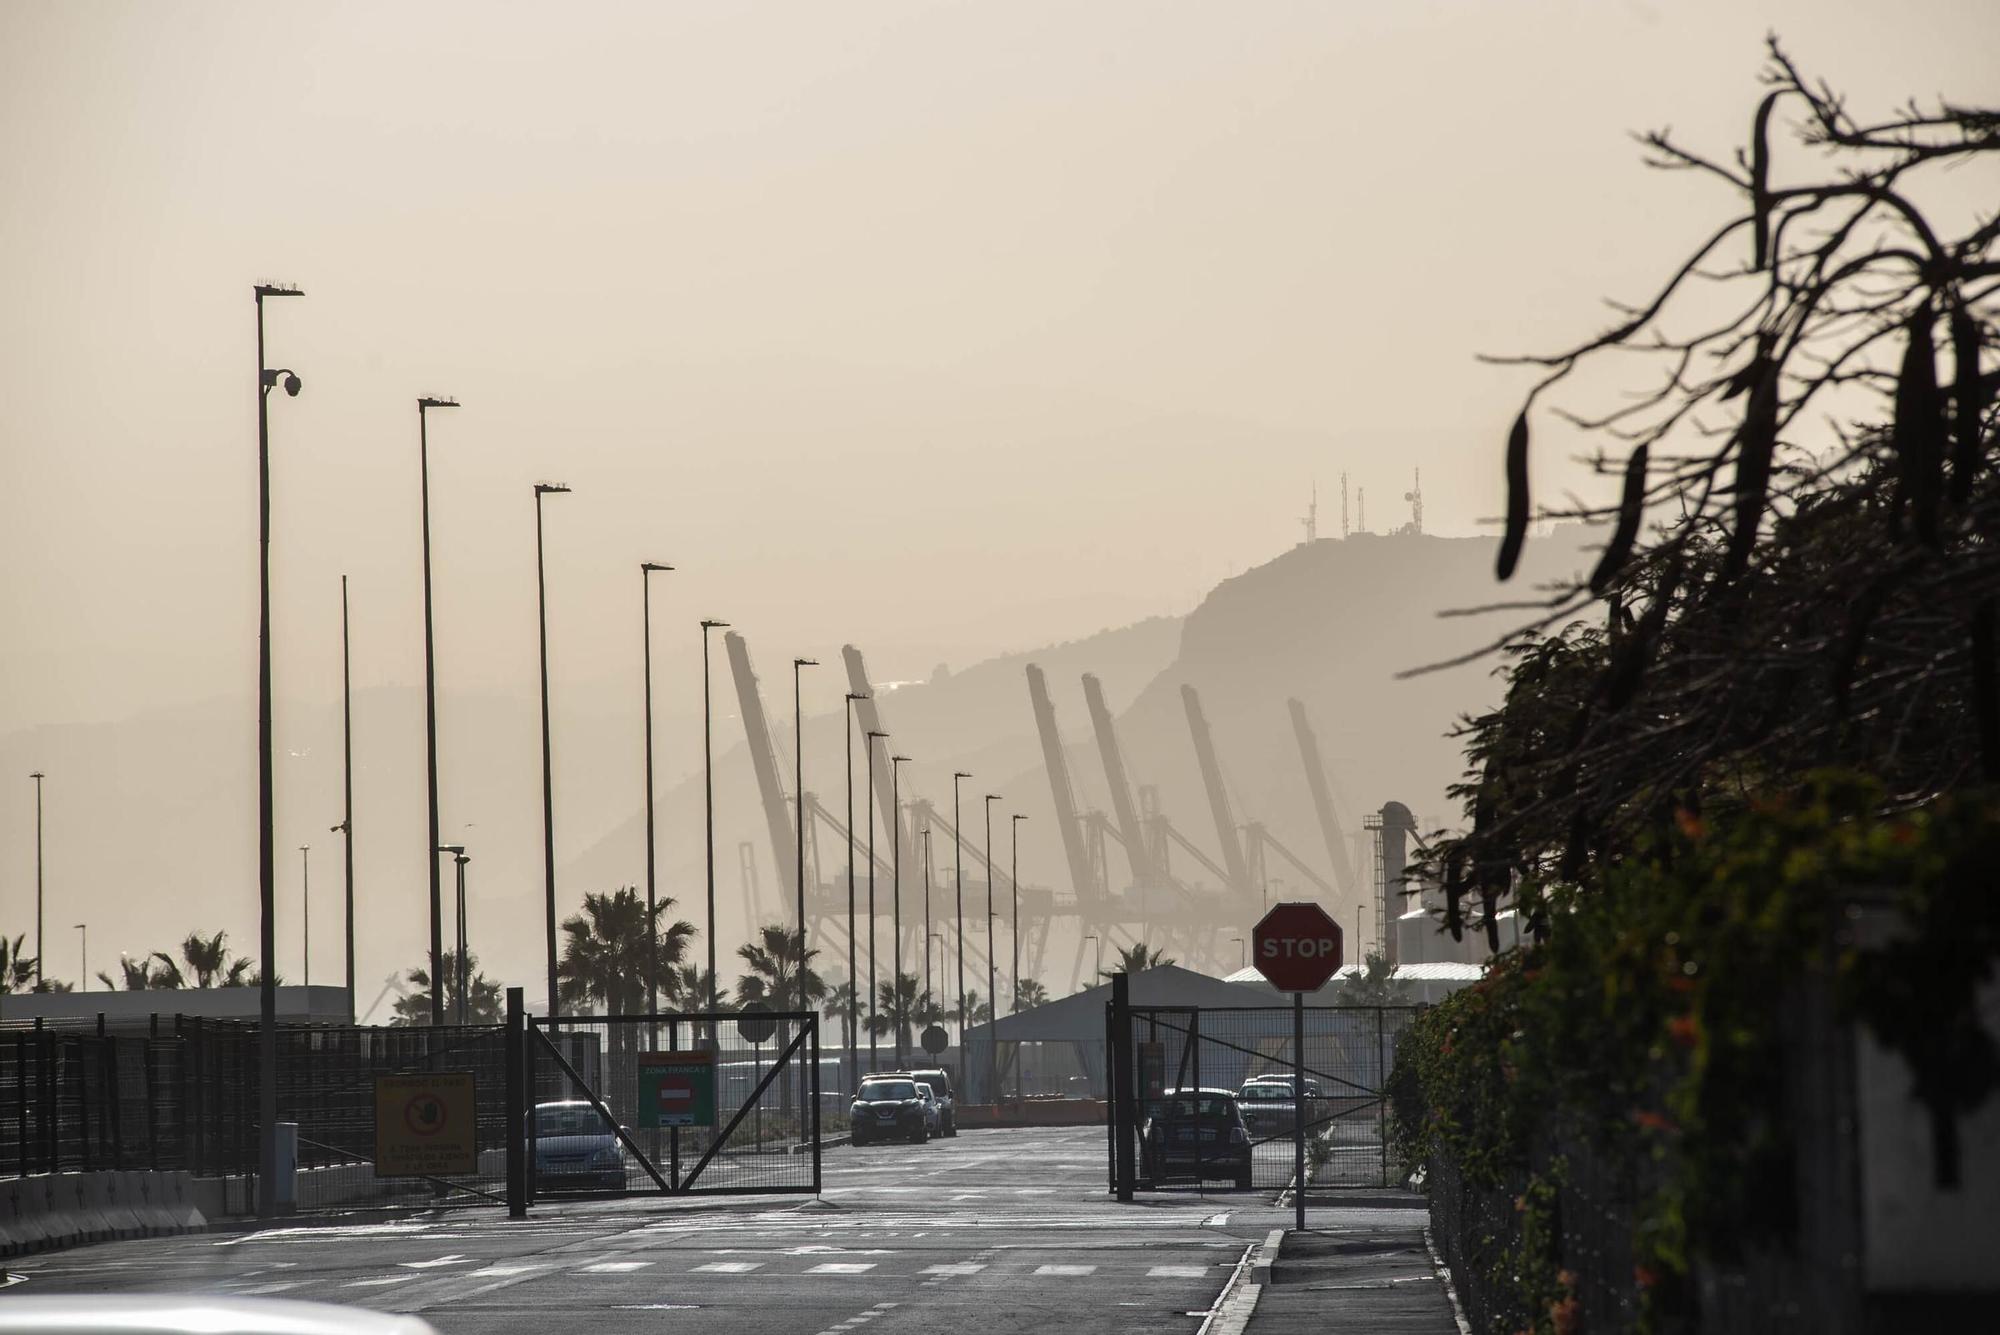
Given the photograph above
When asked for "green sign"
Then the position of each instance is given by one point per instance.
(676, 1089)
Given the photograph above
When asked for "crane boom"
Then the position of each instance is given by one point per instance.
(869, 713)
(1238, 876)
(764, 760)
(1322, 796)
(1129, 829)
(1082, 879)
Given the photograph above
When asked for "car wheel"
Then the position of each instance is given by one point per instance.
(922, 1134)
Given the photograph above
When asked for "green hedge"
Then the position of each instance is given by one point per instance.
(1647, 1023)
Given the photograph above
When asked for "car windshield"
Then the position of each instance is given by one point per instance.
(569, 1120)
(882, 1091)
(1216, 1106)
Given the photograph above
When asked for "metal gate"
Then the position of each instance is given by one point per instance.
(584, 1083)
(1248, 1053)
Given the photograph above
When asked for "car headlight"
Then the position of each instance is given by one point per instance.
(606, 1158)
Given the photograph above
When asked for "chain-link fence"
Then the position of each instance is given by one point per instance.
(1247, 1054)
(591, 1077)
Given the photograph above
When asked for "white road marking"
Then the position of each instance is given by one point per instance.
(842, 1268)
(730, 1267)
(613, 1267)
(1215, 1221)
(1065, 1269)
(324, 1234)
(654, 1307)
(955, 1268)
(1177, 1272)
(453, 1259)
(378, 1283)
(254, 1290)
(504, 1270)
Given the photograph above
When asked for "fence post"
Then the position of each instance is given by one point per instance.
(1121, 1083)
(814, 1022)
(1299, 1110)
(1382, 1093)
(517, 1108)
(21, 1099)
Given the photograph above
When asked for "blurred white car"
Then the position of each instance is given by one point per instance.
(193, 1314)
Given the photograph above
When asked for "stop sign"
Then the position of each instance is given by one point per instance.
(1297, 947)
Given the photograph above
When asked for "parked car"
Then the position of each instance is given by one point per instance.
(940, 1083)
(575, 1150)
(933, 1113)
(888, 1107)
(1197, 1133)
(1269, 1108)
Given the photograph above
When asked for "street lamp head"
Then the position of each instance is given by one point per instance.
(549, 488)
(1019, 816)
(279, 290)
(993, 797)
(648, 567)
(956, 775)
(878, 734)
(429, 402)
(852, 696)
(899, 760)
(337, 829)
(805, 662)
(714, 625)
(453, 849)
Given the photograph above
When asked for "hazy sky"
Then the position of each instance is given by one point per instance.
(941, 328)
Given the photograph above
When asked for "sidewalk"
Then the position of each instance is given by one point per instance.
(1373, 1277)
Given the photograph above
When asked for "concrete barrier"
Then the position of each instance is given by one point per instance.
(1033, 1112)
(49, 1210)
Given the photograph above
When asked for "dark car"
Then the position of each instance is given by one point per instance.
(575, 1150)
(1199, 1134)
(888, 1108)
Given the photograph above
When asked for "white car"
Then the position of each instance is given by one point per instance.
(933, 1111)
(177, 1314)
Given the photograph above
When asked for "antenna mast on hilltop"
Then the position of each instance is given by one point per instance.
(1361, 509)
(1343, 505)
(1415, 496)
(1311, 521)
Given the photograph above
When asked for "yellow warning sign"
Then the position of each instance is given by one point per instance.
(426, 1125)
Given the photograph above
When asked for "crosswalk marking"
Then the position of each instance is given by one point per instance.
(614, 1267)
(1065, 1269)
(1177, 1272)
(842, 1268)
(729, 1267)
(956, 1268)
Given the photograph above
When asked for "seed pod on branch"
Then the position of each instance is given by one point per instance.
(1968, 401)
(1760, 182)
(1621, 678)
(1756, 442)
(1919, 430)
(1631, 507)
(1517, 498)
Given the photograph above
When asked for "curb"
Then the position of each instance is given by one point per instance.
(1238, 1300)
(1444, 1277)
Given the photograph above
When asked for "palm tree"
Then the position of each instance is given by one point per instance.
(209, 961)
(686, 988)
(1136, 959)
(976, 1011)
(482, 995)
(901, 1006)
(604, 953)
(1029, 993)
(844, 1003)
(17, 971)
(779, 962)
(139, 975)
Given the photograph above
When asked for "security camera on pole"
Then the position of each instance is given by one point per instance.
(1297, 947)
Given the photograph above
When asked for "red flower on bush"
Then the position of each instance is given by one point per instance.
(1645, 1276)
(1648, 1120)
(1685, 1030)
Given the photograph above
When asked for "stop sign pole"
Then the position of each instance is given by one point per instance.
(1297, 948)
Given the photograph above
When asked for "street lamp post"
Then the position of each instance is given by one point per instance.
(708, 807)
(268, 378)
(874, 1041)
(346, 827)
(1100, 956)
(464, 969)
(927, 911)
(992, 969)
(1242, 952)
(424, 406)
(548, 779)
(853, 972)
(38, 776)
(646, 569)
(799, 789)
(958, 878)
(896, 764)
(83, 982)
(305, 909)
(458, 975)
(1014, 884)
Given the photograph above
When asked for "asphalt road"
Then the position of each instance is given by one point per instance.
(990, 1232)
